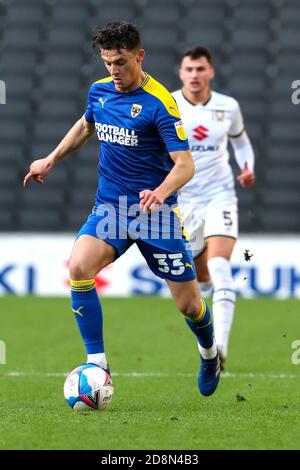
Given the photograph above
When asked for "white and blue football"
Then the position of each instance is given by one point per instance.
(88, 387)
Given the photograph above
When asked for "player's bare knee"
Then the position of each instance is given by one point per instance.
(192, 314)
(190, 309)
(79, 272)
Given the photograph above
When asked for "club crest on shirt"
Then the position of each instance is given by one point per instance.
(218, 114)
(135, 110)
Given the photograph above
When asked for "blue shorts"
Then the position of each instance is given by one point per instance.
(163, 245)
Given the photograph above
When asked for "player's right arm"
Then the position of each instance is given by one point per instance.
(182, 171)
(73, 140)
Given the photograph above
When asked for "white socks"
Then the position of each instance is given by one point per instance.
(209, 353)
(223, 300)
(99, 359)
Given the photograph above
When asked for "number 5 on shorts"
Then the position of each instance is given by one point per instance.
(227, 218)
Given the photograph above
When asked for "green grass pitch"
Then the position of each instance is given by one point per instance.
(154, 361)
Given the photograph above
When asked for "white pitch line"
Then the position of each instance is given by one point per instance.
(224, 375)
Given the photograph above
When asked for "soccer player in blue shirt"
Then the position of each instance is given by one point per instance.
(144, 159)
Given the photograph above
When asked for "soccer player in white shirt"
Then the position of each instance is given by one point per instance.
(208, 201)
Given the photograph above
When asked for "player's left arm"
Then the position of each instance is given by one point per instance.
(242, 148)
(182, 171)
(244, 156)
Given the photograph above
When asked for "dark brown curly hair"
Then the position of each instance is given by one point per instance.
(117, 35)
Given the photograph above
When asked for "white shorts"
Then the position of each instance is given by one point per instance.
(213, 217)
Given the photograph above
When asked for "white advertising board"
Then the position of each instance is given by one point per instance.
(38, 264)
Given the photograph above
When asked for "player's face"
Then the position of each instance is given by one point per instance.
(196, 74)
(124, 67)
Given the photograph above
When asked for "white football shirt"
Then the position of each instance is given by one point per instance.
(208, 127)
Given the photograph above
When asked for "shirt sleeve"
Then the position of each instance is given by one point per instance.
(237, 123)
(243, 151)
(89, 115)
(170, 127)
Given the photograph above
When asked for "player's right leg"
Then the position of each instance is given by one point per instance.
(88, 257)
(221, 230)
(219, 252)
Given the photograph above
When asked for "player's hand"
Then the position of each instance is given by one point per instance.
(38, 171)
(150, 201)
(246, 178)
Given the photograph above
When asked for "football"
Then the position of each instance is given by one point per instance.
(88, 387)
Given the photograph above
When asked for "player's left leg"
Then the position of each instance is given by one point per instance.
(171, 260)
(219, 250)
(199, 320)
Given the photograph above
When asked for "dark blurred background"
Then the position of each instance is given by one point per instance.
(47, 63)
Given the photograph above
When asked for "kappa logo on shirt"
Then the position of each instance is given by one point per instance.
(200, 132)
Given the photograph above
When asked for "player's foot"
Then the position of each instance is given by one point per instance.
(223, 359)
(209, 375)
